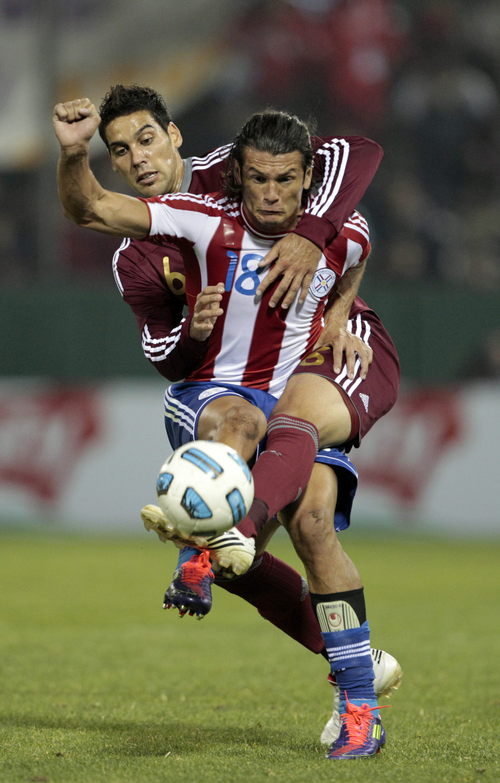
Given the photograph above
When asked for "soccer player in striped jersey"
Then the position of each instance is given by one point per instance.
(273, 184)
(143, 144)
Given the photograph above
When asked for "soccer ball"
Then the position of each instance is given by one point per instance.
(204, 488)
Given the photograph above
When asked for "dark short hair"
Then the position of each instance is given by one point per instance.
(270, 131)
(121, 100)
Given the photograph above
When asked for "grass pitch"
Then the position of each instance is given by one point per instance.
(98, 684)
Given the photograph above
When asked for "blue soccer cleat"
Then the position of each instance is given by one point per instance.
(388, 676)
(361, 733)
(191, 588)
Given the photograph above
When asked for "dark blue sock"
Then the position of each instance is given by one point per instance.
(186, 553)
(351, 663)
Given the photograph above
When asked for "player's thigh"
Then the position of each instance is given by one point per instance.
(317, 399)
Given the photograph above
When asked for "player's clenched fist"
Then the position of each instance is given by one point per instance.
(75, 122)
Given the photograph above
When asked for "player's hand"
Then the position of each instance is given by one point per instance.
(75, 122)
(348, 349)
(295, 258)
(206, 311)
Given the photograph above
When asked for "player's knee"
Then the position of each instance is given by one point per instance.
(246, 421)
(311, 526)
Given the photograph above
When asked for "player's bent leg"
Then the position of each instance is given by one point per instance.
(191, 588)
(338, 600)
(310, 525)
(280, 595)
(235, 421)
(311, 414)
(318, 400)
(240, 424)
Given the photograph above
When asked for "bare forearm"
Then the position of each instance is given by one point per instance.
(347, 348)
(88, 204)
(83, 199)
(344, 293)
(78, 188)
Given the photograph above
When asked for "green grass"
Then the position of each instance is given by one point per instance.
(98, 684)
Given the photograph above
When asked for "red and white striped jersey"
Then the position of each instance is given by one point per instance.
(252, 344)
(150, 275)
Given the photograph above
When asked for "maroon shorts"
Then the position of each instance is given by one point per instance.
(372, 397)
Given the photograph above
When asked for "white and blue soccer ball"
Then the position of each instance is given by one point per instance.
(204, 488)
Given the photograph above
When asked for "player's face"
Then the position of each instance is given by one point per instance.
(272, 188)
(146, 155)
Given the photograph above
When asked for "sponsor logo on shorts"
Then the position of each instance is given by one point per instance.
(322, 282)
(211, 392)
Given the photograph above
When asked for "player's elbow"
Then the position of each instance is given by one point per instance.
(76, 216)
(78, 210)
(88, 213)
(169, 370)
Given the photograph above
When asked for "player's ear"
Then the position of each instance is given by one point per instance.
(111, 159)
(237, 172)
(175, 134)
(308, 178)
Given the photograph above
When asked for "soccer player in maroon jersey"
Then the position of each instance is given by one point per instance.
(258, 167)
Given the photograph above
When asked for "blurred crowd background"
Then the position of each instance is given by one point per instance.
(420, 78)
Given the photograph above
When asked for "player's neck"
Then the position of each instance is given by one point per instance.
(180, 178)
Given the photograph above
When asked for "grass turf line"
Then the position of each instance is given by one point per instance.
(98, 684)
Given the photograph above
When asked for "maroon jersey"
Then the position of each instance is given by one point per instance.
(150, 276)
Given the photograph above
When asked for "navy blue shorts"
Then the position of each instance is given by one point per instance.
(184, 403)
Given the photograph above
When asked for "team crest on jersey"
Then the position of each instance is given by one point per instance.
(322, 282)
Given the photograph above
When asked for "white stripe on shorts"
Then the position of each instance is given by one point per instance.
(361, 329)
(176, 411)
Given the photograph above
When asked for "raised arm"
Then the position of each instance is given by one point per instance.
(84, 200)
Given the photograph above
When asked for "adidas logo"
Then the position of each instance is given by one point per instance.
(365, 399)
